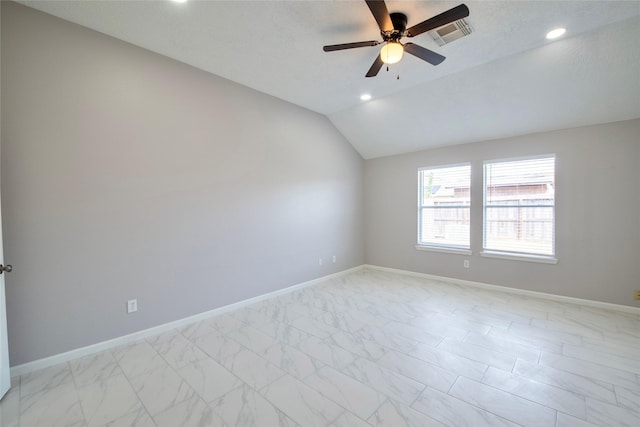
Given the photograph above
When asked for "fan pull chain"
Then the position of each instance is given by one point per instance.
(398, 77)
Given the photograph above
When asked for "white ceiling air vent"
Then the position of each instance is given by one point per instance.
(450, 32)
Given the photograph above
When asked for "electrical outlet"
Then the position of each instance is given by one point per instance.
(334, 259)
(132, 306)
(466, 263)
(637, 294)
(320, 261)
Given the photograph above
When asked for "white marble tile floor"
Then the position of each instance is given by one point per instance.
(367, 349)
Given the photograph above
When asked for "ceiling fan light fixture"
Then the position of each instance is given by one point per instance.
(391, 52)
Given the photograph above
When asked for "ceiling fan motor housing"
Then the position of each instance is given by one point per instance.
(399, 21)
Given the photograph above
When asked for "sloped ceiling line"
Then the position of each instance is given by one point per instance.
(505, 79)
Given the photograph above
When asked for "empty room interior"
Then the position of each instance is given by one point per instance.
(320, 213)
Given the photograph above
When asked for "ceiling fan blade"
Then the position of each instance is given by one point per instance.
(343, 46)
(451, 15)
(375, 68)
(381, 14)
(425, 54)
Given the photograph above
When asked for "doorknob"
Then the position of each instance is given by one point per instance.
(6, 268)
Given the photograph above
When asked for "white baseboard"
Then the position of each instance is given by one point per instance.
(126, 339)
(136, 336)
(505, 289)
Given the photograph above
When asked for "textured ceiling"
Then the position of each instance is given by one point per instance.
(503, 80)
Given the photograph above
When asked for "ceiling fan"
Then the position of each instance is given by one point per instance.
(393, 27)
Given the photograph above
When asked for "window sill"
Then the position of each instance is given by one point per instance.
(514, 257)
(443, 250)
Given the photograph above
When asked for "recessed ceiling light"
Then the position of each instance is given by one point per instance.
(180, 1)
(554, 34)
(365, 97)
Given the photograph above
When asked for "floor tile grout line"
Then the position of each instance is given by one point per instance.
(144, 406)
(174, 370)
(613, 368)
(470, 404)
(386, 397)
(75, 386)
(511, 394)
(583, 397)
(579, 393)
(261, 393)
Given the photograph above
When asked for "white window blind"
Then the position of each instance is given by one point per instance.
(444, 206)
(519, 206)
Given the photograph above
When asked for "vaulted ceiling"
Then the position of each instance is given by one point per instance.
(505, 79)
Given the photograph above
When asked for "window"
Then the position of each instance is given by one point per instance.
(519, 206)
(444, 207)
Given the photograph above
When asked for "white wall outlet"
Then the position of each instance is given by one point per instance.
(334, 259)
(320, 261)
(132, 306)
(466, 263)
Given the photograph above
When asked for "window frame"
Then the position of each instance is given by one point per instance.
(517, 255)
(435, 247)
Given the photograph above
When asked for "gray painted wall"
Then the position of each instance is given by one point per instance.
(129, 175)
(597, 220)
